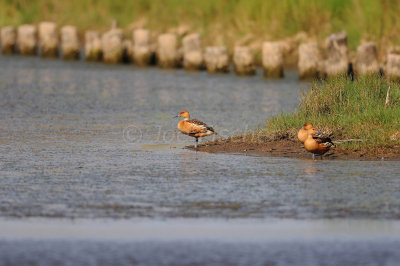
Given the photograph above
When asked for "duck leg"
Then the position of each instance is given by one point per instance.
(197, 141)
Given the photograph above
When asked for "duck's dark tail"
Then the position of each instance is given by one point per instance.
(326, 139)
(323, 139)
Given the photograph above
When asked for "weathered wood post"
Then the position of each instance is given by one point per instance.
(48, 39)
(112, 46)
(192, 52)
(141, 47)
(243, 61)
(309, 58)
(216, 59)
(92, 46)
(367, 59)
(8, 40)
(128, 51)
(167, 51)
(393, 64)
(337, 62)
(272, 59)
(70, 43)
(27, 39)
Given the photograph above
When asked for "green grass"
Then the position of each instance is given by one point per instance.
(348, 110)
(222, 21)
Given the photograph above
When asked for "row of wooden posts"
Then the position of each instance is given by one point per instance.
(111, 47)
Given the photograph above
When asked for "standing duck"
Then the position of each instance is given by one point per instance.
(302, 135)
(193, 127)
(317, 143)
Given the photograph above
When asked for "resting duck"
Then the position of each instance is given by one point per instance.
(194, 128)
(303, 134)
(317, 143)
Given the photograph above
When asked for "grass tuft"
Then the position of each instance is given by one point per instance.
(348, 110)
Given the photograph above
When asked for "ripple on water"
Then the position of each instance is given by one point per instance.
(88, 140)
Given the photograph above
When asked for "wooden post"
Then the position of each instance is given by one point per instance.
(393, 64)
(367, 59)
(272, 59)
(27, 39)
(243, 61)
(309, 58)
(167, 51)
(141, 47)
(216, 59)
(48, 39)
(192, 52)
(8, 40)
(70, 43)
(92, 46)
(337, 62)
(112, 46)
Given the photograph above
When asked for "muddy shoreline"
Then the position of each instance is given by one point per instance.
(294, 149)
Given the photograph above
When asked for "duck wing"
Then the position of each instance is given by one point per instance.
(199, 126)
(323, 139)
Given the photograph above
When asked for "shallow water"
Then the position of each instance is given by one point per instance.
(89, 141)
(199, 242)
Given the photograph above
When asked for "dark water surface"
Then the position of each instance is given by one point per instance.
(87, 141)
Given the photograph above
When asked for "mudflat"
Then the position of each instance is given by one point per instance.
(292, 148)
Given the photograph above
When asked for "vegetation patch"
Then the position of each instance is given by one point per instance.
(364, 113)
(361, 117)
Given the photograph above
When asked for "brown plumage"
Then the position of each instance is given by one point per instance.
(317, 143)
(322, 138)
(194, 127)
(302, 134)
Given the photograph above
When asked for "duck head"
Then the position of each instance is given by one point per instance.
(307, 126)
(313, 131)
(184, 114)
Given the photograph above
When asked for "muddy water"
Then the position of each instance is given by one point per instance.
(93, 141)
